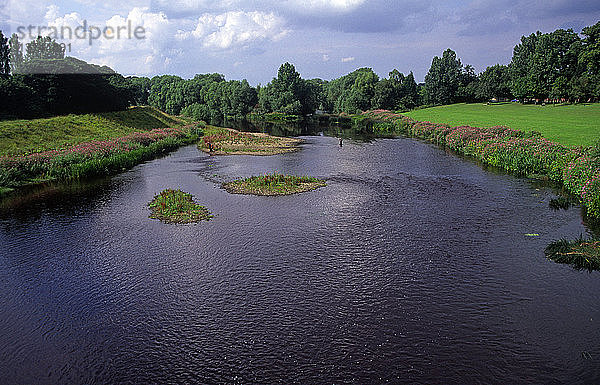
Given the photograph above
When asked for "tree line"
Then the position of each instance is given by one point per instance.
(37, 80)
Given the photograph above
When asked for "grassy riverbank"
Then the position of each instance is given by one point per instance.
(523, 153)
(274, 184)
(227, 141)
(176, 206)
(78, 146)
(564, 124)
(28, 136)
(92, 158)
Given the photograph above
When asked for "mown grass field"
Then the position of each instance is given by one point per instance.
(23, 136)
(565, 124)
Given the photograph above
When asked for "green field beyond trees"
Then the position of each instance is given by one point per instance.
(565, 124)
(22, 136)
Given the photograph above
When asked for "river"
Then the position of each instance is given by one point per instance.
(412, 265)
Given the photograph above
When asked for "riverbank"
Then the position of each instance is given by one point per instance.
(227, 141)
(91, 158)
(18, 137)
(523, 153)
(567, 124)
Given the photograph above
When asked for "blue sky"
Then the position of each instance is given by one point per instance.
(326, 39)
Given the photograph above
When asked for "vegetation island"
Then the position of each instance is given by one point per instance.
(227, 141)
(273, 185)
(176, 206)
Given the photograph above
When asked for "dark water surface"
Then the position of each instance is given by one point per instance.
(411, 266)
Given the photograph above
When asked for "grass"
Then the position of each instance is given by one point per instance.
(27, 136)
(226, 141)
(92, 158)
(580, 253)
(565, 124)
(273, 185)
(176, 206)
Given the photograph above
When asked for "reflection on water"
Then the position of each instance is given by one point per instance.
(335, 126)
(412, 265)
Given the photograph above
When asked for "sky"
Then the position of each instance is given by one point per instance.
(322, 38)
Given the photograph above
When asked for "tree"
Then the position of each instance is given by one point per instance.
(140, 89)
(16, 53)
(397, 92)
(4, 56)
(288, 93)
(467, 88)
(542, 63)
(44, 48)
(494, 82)
(587, 84)
(410, 93)
(444, 78)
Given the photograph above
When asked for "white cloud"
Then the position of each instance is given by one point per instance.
(325, 57)
(121, 48)
(323, 5)
(348, 59)
(236, 29)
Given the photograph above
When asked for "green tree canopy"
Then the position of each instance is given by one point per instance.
(444, 78)
(44, 48)
(16, 53)
(494, 82)
(288, 93)
(4, 56)
(542, 64)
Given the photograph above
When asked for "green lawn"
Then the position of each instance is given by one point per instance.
(20, 136)
(566, 124)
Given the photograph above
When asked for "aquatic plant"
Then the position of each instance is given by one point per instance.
(274, 184)
(581, 254)
(176, 206)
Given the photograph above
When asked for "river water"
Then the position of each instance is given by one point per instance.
(412, 265)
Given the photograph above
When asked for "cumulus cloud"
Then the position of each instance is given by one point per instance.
(236, 29)
(348, 59)
(145, 52)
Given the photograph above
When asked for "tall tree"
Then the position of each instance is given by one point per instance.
(587, 84)
(4, 56)
(444, 78)
(288, 93)
(44, 48)
(16, 53)
(542, 64)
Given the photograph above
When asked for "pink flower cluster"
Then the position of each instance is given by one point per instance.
(88, 150)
